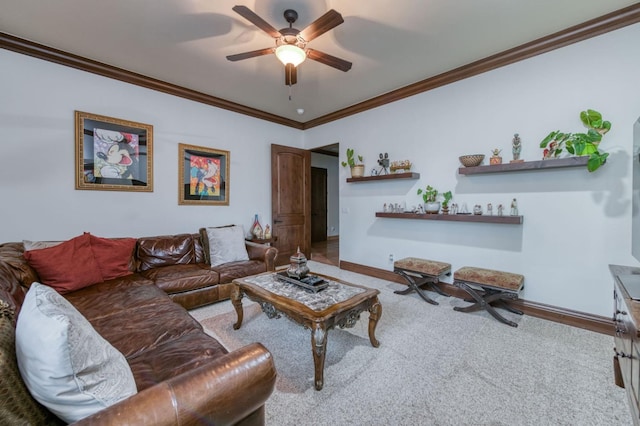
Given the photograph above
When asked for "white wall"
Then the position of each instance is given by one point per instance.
(575, 223)
(37, 195)
(331, 164)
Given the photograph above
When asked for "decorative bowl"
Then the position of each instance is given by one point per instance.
(471, 160)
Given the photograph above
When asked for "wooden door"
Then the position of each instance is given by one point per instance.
(318, 204)
(290, 201)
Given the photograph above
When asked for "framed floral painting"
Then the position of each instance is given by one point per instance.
(203, 175)
(113, 154)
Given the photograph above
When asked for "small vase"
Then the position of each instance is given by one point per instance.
(495, 160)
(445, 210)
(432, 207)
(256, 228)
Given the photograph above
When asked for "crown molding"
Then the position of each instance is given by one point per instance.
(592, 28)
(603, 24)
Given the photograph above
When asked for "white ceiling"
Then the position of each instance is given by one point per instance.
(391, 43)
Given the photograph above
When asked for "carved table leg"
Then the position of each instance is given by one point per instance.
(236, 300)
(375, 312)
(319, 348)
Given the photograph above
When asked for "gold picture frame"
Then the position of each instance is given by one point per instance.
(113, 154)
(203, 175)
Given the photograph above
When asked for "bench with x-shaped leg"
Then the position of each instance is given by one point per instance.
(489, 289)
(421, 274)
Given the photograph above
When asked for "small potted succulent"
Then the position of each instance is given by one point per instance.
(445, 203)
(354, 163)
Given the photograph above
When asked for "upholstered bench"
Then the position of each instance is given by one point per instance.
(421, 274)
(489, 288)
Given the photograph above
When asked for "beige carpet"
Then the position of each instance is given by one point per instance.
(434, 366)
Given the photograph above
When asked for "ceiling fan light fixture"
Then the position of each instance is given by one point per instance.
(290, 54)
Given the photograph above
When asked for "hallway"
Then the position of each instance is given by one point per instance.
(326, 251)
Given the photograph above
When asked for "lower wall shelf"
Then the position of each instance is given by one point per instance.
(512, 220)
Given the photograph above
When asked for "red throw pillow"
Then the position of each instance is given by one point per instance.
(66, 267)
(113, 255)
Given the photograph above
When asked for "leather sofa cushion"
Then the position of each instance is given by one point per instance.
(165, 250)
(232, 270)
(173, 358)
(147, 331)
(179, 278)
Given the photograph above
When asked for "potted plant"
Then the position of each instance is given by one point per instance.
(429, 196)
(445, 203)
(580, 143)
(354, 163)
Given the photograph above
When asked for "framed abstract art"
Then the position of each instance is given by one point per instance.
(113, 154)
(203, 175)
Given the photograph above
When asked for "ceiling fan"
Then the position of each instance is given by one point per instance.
(291, 43)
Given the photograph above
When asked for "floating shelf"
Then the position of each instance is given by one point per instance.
(512, 220)
(392, 176)
(526, 165)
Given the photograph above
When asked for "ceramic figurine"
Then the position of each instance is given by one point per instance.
(514, 208)
(477, 209)
(516, 147)
(267, 232)
(489, 209)
(496, 159)
(500, 208)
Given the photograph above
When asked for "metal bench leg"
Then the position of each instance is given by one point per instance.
(484, 301)
(413, 286)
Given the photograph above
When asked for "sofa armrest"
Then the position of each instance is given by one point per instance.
(262, 252)
(223, 392)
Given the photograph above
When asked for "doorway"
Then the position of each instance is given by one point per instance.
(325, 226)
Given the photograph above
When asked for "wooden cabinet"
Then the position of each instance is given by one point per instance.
(626, 318)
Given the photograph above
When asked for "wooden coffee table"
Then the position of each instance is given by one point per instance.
(340, 304)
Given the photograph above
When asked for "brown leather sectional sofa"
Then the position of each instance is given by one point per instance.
(183, 375)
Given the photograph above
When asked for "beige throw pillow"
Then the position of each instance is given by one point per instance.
(226, 245)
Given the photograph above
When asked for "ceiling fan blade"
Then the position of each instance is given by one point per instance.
(290, 75)
(252, 54)
(329, 20)
(327, 59)
(250, 16)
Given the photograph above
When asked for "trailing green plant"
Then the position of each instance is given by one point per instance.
(351, 159)
(580, 143)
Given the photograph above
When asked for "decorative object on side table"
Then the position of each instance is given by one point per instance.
(267, 232)
(256, 228)
(472, 160)
(495, 158)
(580, 143)
(354, 163)
(516, 147)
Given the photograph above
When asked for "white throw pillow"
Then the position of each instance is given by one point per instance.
(67, 366)
(226, 244)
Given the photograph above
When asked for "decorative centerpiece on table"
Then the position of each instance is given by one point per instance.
(298, 268)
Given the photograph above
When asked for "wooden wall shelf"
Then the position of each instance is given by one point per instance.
(526, 165)
(512, 220)
(392, 176)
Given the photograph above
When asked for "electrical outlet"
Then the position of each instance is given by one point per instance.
(391, 258)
